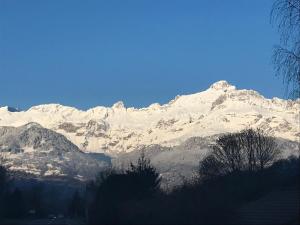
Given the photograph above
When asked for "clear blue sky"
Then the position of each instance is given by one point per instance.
(88, 53)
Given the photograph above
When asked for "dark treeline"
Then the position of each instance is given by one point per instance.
(27, 198)
(241, 168)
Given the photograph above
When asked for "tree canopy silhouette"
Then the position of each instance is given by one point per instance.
(144, 176)
(116, 192)
(247, 150)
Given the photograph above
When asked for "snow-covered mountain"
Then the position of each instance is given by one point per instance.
(219, 109)
(44, 153)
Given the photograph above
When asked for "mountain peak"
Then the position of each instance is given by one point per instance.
(222, 85)
(118, 105)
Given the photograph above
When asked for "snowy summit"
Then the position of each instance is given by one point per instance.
(221, 108)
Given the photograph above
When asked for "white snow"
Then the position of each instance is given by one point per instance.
(221, 108)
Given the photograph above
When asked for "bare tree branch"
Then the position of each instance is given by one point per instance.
(286, 58)
(247, 150)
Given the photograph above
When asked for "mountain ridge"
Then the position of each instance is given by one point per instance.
(221, 108)
(219, 85)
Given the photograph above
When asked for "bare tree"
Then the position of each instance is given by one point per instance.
(228, 151)
(247, 140)
(267, 150)
(247, 150)
(211, 167)
(286, 58)
(227, 157)
(259, 148)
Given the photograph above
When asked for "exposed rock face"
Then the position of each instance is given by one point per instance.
(219, 109)
(68, 127)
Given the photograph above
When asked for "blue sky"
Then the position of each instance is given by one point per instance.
(88, 53)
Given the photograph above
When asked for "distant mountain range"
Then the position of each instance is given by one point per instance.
(58, 138)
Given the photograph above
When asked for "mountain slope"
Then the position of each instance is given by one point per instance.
(219, 109)
(180, 163)
(44, 153)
